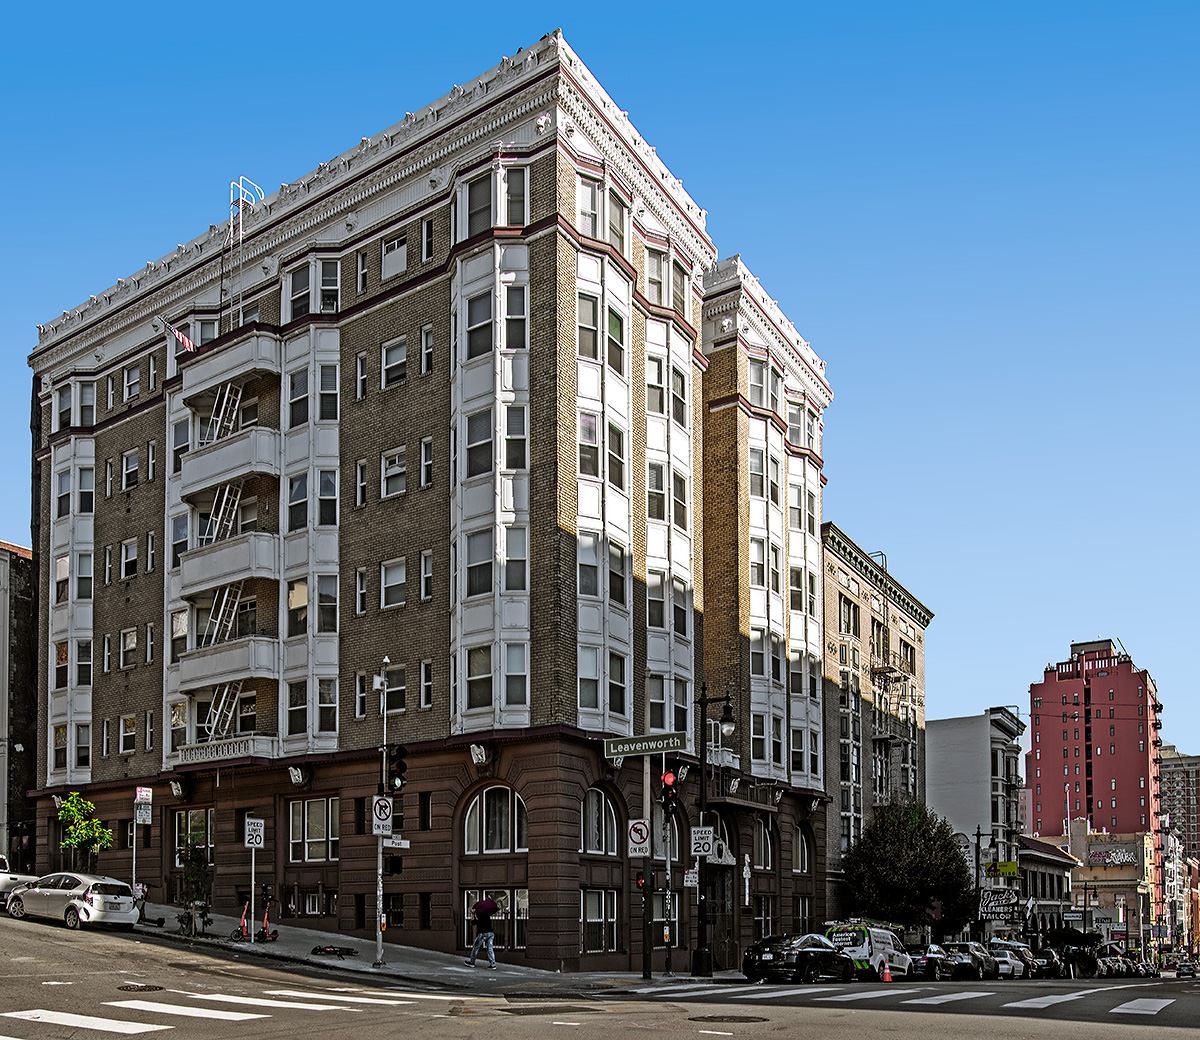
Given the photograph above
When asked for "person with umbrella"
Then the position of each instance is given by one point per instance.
(484, 936)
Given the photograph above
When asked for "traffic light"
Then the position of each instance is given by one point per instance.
(669, 794)
(645, 882)
(396, 767)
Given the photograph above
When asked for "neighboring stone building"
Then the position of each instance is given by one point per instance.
(18, 706)
(1097, 715)
(475, 410)
(1180, 794)
(1046, 872)
(874, 674)
(1118, 871)
(974, 780)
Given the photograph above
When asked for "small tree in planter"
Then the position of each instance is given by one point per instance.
(194, 859)
(84, 835)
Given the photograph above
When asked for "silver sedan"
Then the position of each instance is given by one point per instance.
(75, 899)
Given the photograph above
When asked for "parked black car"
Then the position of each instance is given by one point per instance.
(931, 962)
(797, 958)
(1185, 970)
(972, 961)
(1049, 964)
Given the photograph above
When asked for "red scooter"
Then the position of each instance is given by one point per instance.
(265, 934)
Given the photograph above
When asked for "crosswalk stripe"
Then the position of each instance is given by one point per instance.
(673, 989)
(1045, 1002)
(396, 993)
(770, 992)
(229, 998)
(184, 1010)
(1141, 1006)
(63, 1018)
(325, 995)
(871, 994)
(947, 998)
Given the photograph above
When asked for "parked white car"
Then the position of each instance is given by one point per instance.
(1009, 964)
(10, 880)
(75, 899)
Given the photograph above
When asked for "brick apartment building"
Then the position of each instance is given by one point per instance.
(473, 409)
(874, 675)
(1097, 715)
(18, 705)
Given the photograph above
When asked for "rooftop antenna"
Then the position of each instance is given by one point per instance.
(243, 194)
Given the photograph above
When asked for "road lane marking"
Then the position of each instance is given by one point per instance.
(334, 996)
(1045, 1002)
(871, 994)
(63, 1018)
(229, 998)
(1141, 1006)
(947, 998)
(183, 1009)
(398, 993)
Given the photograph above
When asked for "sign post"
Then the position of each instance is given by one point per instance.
(255, 828)
(142, 798)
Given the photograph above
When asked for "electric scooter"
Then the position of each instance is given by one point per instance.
(266, 933)
(241, 933)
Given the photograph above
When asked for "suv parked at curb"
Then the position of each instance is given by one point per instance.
(972, 961)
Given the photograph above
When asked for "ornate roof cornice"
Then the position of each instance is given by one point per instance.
(840, 544)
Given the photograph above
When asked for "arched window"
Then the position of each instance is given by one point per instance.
(496, 821)
(598, 824)
(801, 852)
(764, 852)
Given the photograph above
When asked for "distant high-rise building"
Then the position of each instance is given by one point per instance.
(1096, 748)
(1180, 795)
(18, 705)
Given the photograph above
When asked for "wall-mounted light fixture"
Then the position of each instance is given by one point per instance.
(177, 788)
(733, 784)
(296, 775)
(479, 754)
(778, 795)
(618, 762)
(57, 801)
(681, 774)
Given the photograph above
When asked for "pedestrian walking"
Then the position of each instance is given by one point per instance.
(484, 936)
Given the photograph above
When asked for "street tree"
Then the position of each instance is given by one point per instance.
(84, 835)
(908, 869)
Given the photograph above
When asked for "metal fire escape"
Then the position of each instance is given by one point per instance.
(222, 523)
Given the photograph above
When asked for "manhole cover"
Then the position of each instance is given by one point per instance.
(727, 1018)
(542, 1009)
(137, 987)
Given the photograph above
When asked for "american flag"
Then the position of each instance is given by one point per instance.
(184, 342)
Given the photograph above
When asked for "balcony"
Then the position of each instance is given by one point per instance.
(256, 449)
(244, 746)
(258, 352)
(228, 661)
(254, 555)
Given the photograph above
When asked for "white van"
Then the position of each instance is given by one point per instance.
(871, 947)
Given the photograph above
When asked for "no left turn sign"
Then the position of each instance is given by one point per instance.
(639, 837)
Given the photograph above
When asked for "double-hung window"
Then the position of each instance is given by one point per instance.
(616, 457)
(395, 256)
(327, 497)
(64, 407)
(299, 291)
(515, 313)
(587, 194)
(588, 318)
(297, 607)
(756, 473)
(327, 404)
(426, 350)
(395, 473)
(83, 575)
(616, 573)
(393, 583)
(679, 282)
(330, 277)
(129, 558)
(589, 444)
(297, 398)
(656, 599)
(479, 442)
(514, 437)
(87, 404)
(616, 342)
(617, 213)
(327, 603)
(655, 390)
(655, 262)
(679, 502)
(588, 554)
(678, 397)
(514, 182)
(427, 462)
(63, 496)
(427, 238)
(656, 492)
(480, 556)
(516, 558)
(427, 574)
(479, 325)
(129, 470)
(298, 502)
(479, 205)
(395, 361)
(133, 381)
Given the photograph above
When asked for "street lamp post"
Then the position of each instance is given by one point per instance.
(702, 957)
(383, 694)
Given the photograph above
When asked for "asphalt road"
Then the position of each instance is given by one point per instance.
(93, 985)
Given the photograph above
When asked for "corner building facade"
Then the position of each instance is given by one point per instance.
(477, 426)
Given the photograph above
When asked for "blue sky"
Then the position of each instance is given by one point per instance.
(984, 217)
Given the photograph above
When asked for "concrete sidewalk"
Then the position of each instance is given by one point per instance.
(408, 964)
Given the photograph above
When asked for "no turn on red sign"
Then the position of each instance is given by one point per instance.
(639, 837)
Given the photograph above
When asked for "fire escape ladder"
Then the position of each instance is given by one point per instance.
(222, 522)
(224, 613)
(223, 710)
(224, 418)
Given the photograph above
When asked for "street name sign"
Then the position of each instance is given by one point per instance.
(396, 842)
(651, 744)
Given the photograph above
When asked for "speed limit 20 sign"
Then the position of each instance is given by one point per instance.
(254, 832)
(702, 841)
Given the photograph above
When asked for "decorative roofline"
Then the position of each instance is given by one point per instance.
(843, 547)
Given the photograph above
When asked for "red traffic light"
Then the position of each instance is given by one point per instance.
(641, 880)
(668, 779)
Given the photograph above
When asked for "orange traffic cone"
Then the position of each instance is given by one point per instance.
(887, 972)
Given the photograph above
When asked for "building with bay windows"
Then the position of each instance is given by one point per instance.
(613, 508)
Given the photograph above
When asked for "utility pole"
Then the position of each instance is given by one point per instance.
(383, 695)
